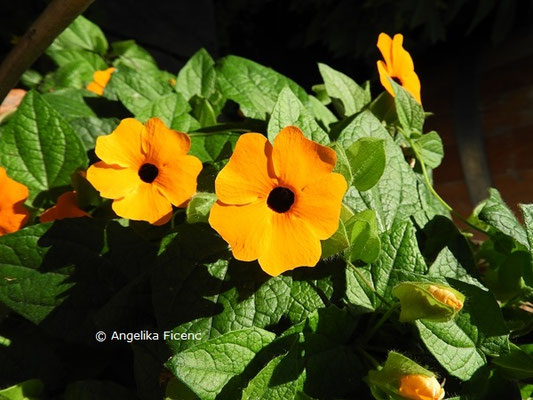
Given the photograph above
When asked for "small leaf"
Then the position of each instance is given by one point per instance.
(197, 77)
(367, 162)
(516, 365)
(410, 112)
(336, 243)
(27, 390)
(82, 34)
(199, 207)
(364, 237)
(133, 56)
(430, 148)
(343, 88)
(288, 110)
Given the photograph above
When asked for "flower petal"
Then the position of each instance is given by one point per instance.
(95, 88)
(299, 161)
(249, 174)
(319, 204)
(123, 146)
(102, 77)
(111, 181)
(384, 78)
(66, 207)
(177, 180)
(402, 63)
(411, 83)
(144, 204)
(13, 214)
(385, 47)
(161, 144)
(242, 226)
(288, 244)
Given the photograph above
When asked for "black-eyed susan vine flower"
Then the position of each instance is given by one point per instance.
(277, 202)
(420, 387)
(13, 214)
(66, 207)
(100, 80)
(145, 169)
(398, 65)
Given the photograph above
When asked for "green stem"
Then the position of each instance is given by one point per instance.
(381, 321)
(372, 360)
(429, 185)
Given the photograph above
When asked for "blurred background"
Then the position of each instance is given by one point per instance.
(474, 59)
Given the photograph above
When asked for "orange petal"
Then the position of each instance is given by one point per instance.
(299, 161)
(144, 204)
(123, 145)
(384, 78)
(385, 47)
(288, 244)
(13, 214)
(319, 204)
(112, 181)
(161, 144)
(177, 179)
(242, 226)
(411, 83)
(248, 175)
(66, 207)
(402, 63)
(420, 387)
(102, 77)
(95, 88)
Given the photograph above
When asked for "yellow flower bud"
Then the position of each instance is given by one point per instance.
(420, 387)
(445, 296)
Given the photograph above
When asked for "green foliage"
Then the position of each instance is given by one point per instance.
(226, 329)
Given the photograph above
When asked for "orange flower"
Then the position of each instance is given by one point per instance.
(66, 207)
(398, 65)
(145, 169)
(13, 214)
(420, 387)
(100, 81)
(275, 203)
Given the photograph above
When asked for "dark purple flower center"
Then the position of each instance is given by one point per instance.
(397, 80)
(280, 199)
(148, 172)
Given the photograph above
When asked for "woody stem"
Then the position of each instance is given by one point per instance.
(57, 16)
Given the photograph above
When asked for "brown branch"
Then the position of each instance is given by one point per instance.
(57, 16)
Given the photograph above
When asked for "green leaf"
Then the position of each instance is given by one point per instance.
(77, 56)
(341, 87)
(82, 34)
(288, 110)
(197, 77)
(27, 390)
(211, 147)
(23, 287)
(364, 237)
(516, 365)
(395, 195)
(199, 207)
(89, 128)
(39, 148)
(203, 111)
(31, 78)
(410, 112)
(321, 112)
(176, 390)
(133, 56)
(77, 74)
(138, 91)
(461, 345)
(274, 381)
(336, 243)
(254, 87)
(430, 148)
(367, 162)
(498, 215)
(172, 109)
(69, 103)
(219, 359)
